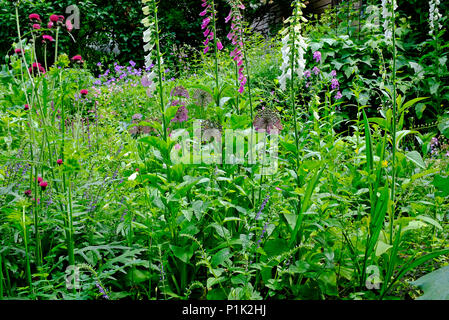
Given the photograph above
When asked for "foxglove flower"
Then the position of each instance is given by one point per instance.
(208, 32)
(236, 36)
(294, 46)
(387, 16)
(149, 38)
(434, 17)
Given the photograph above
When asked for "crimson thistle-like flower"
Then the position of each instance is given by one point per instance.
(236, 36)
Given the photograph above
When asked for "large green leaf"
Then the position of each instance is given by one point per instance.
(435, 285)
(416, 158)
(442, 184)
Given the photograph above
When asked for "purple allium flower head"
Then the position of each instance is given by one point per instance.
(181, 115)
(180, 91)
(317, 56)
(267, 120)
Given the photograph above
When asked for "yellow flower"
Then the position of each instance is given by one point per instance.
(357, 150)
(385, 163)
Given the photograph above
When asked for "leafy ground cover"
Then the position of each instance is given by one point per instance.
(104, 194)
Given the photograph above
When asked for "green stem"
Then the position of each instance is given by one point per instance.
(1, 277)
(56, 45)
(21, 47)
(159, 70)
(393, 178)
(27, 255)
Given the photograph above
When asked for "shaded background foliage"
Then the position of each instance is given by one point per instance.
(106, 25)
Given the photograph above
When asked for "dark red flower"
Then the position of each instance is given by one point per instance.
(59, 161)
(54, 18)
(28, 193)
(34, 16)
(77, 59)
(43, 185)
(39, 179)
(36, 26)
(36, 66)
(69, 25)
(18, 51)
(26, 107)
(84, 92)
(46, 38)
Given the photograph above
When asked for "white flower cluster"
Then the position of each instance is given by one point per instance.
(387, 16)
(434, 16)
(293, 45)
(150, 41)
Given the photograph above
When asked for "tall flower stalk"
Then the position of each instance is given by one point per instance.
(388, 13)
(210, 32)
(151, 39)
(293, 49)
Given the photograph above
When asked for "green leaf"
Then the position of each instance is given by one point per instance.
(182, 253)
(220, 257)
(416, 158)
(442, 184)
(435, 285)
(382, 247)
(443, 126)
